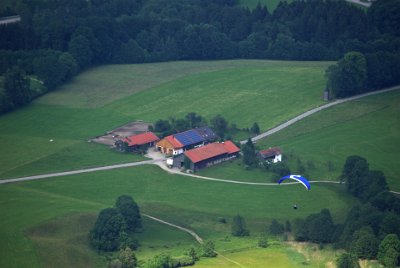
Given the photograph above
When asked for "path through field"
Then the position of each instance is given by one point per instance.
(192, 233)
(315, 110)
(158, 161)
(79, 171)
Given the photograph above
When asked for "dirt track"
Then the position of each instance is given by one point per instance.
(159, 160)
(315, 110)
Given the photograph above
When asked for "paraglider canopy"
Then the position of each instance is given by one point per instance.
(298, 178)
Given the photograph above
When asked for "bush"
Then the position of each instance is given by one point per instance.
(263, 241)
(221, 220)
(208, 249)
(182, 261)
(191, 253)
(280, 168)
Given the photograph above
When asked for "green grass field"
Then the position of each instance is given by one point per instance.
(244, 92)
(368, 127)
(185, 201)
(149, 92)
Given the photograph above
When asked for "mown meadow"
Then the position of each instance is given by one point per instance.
(368, 127)
(46, 221)
(29, 210)
(107, 97)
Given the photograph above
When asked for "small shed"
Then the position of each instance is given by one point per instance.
(137, 142)
(273, 155)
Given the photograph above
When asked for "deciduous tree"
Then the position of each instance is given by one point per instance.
(364, 244)
(389, 250)
(106, 232)
(208, 249)
(347, 260)
(17, 87)
(349, 75)
(219, 125)
(129, 210)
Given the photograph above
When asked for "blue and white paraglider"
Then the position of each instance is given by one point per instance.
(298, 178)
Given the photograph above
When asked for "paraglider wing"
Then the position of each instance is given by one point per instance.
(298, 178)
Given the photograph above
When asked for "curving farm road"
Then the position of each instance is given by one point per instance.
(158, 161)
(315, 110)
(79, 171)
(192, 233)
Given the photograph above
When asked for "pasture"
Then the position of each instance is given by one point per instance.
(243, 91)
(368, 127)
(77, 112)
(182, 200)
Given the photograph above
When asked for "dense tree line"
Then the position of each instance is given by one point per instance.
(371, 229)
(57, 39)
(357, 73)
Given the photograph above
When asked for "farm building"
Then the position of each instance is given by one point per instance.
(273, 155)
(169, 146)
(207, 133)
(137, 142)
(178, 143)
(209, 155)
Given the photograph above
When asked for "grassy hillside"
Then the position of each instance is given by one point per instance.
(36, 214)
(368, 127)
(179, 199)
(266, 91)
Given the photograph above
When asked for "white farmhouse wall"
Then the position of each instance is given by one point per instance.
(278, 158)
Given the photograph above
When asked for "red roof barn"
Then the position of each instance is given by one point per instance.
(136, 142)
(210, 154)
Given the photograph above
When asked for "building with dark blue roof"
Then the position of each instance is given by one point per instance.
(207, 133)
(189, 138)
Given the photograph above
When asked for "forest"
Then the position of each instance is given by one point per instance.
(55, 40)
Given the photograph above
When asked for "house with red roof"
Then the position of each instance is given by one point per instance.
(170, 146)
(209, 155)
(273, 155)
(137, 142)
